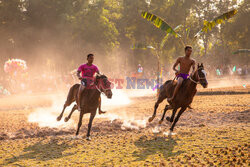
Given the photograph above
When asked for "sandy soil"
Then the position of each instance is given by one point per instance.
(214, 133)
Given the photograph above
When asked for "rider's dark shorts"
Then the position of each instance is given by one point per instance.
(84, 82)
(184, 76)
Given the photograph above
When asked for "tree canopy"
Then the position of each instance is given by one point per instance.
(60, 33)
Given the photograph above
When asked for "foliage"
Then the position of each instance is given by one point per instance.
(208, 25)
(63, 31)
(159, 23)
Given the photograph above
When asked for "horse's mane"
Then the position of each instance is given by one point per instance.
(194, 76)
(102, 76)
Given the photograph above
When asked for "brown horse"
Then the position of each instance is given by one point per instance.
(183, 98)
(72, 95)
(89, 101)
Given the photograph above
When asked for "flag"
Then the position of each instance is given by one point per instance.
(234, 69)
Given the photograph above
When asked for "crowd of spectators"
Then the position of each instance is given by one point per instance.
(49, 82)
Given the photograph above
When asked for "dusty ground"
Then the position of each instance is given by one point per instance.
(214, 133)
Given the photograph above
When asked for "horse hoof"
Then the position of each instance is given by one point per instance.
(168, 119)
(169, 133)
(102, 112)
(66, 119)
(88, 138)
(58, 118)
(160, 122)
(151, 119)
(76, 137)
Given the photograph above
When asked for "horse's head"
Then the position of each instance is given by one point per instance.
(104, 85)
(202, 75)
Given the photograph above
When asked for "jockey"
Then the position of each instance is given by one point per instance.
(88, 71)
(185, 64)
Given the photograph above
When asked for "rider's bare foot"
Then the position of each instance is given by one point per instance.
(169, 99)
(102, 112)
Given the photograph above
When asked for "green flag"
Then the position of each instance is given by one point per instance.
(218, 72)
(234, 69)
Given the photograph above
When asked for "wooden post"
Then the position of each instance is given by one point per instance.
(158, 78)
(158, 73)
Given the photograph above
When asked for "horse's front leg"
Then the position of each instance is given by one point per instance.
(92, 116)
(80, 122)
(177, 118)
(99, 107)
(69, 116)
(163, 115)
(160, 99)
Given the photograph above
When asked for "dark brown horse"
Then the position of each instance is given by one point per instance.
(89, 102)
(183, 98)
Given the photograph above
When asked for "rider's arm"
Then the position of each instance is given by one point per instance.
(193, 66)
(79, 74)
(97, 70)
(175, 64)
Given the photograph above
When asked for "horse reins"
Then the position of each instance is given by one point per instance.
(174, 79)
(100, 90)
(197, 82)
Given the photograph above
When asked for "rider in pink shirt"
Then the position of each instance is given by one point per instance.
(88, 71)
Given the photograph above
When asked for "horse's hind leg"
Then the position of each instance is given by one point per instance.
(66, 104)
(172, 116)
(69, 116)
(70, 99)
(163, 115)
(160, 99)
(177, 117)
(92, 116)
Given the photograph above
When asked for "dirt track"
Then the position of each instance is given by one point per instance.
(215, 132)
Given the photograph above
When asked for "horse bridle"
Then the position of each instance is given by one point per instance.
(197, 82)
(100, 89)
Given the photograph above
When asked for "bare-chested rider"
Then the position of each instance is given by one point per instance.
(88, 71)
(185, 64)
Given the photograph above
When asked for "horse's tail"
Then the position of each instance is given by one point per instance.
(72, 94)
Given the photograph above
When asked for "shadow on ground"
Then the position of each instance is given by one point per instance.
(41, 151)
(158, 145)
